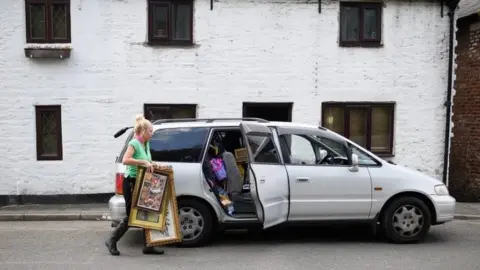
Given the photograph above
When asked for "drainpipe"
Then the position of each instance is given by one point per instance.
(452, 5)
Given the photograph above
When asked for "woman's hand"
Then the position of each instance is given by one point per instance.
(149, 166)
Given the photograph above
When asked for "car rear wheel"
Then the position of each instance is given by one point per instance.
(196, 223)
(406, 220)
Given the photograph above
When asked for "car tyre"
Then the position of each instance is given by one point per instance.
(198, 211)
(406, 220)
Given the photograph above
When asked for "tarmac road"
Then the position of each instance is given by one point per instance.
(79, 245)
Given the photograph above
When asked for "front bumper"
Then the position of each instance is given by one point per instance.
(445, 208)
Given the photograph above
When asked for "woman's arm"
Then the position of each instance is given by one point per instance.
(128, 160)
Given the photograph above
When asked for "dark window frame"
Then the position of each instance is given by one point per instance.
(362, 42)
(48, 21)
(346, 106)
(58, 111)
(169, 40)
(146, 106)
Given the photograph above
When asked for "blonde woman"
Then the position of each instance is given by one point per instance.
(137, 154)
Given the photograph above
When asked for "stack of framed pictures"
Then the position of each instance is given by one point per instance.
(154, 206)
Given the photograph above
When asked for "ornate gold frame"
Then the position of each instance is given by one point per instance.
(159, 223)
(171, 232)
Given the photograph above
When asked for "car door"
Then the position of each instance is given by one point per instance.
(268, 176)
(322, 191)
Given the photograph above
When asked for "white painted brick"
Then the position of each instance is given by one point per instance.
(246, 51)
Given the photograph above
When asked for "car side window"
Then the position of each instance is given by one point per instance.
(178, 144)
(334, 145)
(300, 150)
(263, 149)
(363, 159)
(337, 146)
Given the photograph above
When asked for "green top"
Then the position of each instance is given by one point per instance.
(139, 153)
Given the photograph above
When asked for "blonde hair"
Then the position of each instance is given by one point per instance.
(141, 125)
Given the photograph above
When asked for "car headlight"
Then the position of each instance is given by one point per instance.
(441, 190)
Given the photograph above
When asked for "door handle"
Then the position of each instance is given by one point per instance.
(303, 179)
(262, 181)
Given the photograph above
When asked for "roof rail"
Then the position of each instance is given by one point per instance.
(208, 120)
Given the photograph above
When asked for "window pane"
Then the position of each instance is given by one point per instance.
(334, 119)
(48, 133)
(370, 23)
(181, 22)
(184, 112)
(157, 112)
(263, 149)
(59, 21)
(178, 145)
(350, 27)
(301, 150)
(160, 21)
(381, 117)
(37, 21)
(358, 126)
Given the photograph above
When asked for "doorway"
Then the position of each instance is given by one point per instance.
(271, 111)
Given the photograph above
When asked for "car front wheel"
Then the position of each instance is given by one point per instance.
(195, 223)
(406, 220)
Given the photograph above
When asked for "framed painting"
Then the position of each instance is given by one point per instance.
(151, 191)
(171, 233)
(142, 218)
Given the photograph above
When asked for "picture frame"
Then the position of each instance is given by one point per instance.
(151, 191)
(171, 233)
(141, 218)
(241, 155)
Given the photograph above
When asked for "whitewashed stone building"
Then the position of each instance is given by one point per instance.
(76, 71)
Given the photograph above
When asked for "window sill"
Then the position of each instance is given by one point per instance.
(49, 158)
(57, 51)
(172, 44)
(361, 44)
(384, 155)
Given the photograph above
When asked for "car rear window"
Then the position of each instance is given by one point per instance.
(178, 144)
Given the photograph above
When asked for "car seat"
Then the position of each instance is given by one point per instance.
(234, 178)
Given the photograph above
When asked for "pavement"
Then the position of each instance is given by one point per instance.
(79, 245)
(54, 212)
(100, 212)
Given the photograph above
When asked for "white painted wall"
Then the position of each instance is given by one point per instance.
(246, 51)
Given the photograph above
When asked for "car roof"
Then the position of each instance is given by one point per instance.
(236, 123)
(223, 123)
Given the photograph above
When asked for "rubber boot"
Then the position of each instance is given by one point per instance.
(117, 233)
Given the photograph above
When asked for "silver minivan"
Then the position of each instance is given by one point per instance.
(291, 173)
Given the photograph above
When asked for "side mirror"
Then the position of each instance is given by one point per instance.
(323, 154)
(354, 167)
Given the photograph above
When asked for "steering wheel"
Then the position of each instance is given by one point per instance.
(328, 159)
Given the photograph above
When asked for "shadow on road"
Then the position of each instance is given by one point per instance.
(296, 234)
(293, 235)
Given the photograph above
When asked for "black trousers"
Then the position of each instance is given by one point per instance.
(128, 185)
